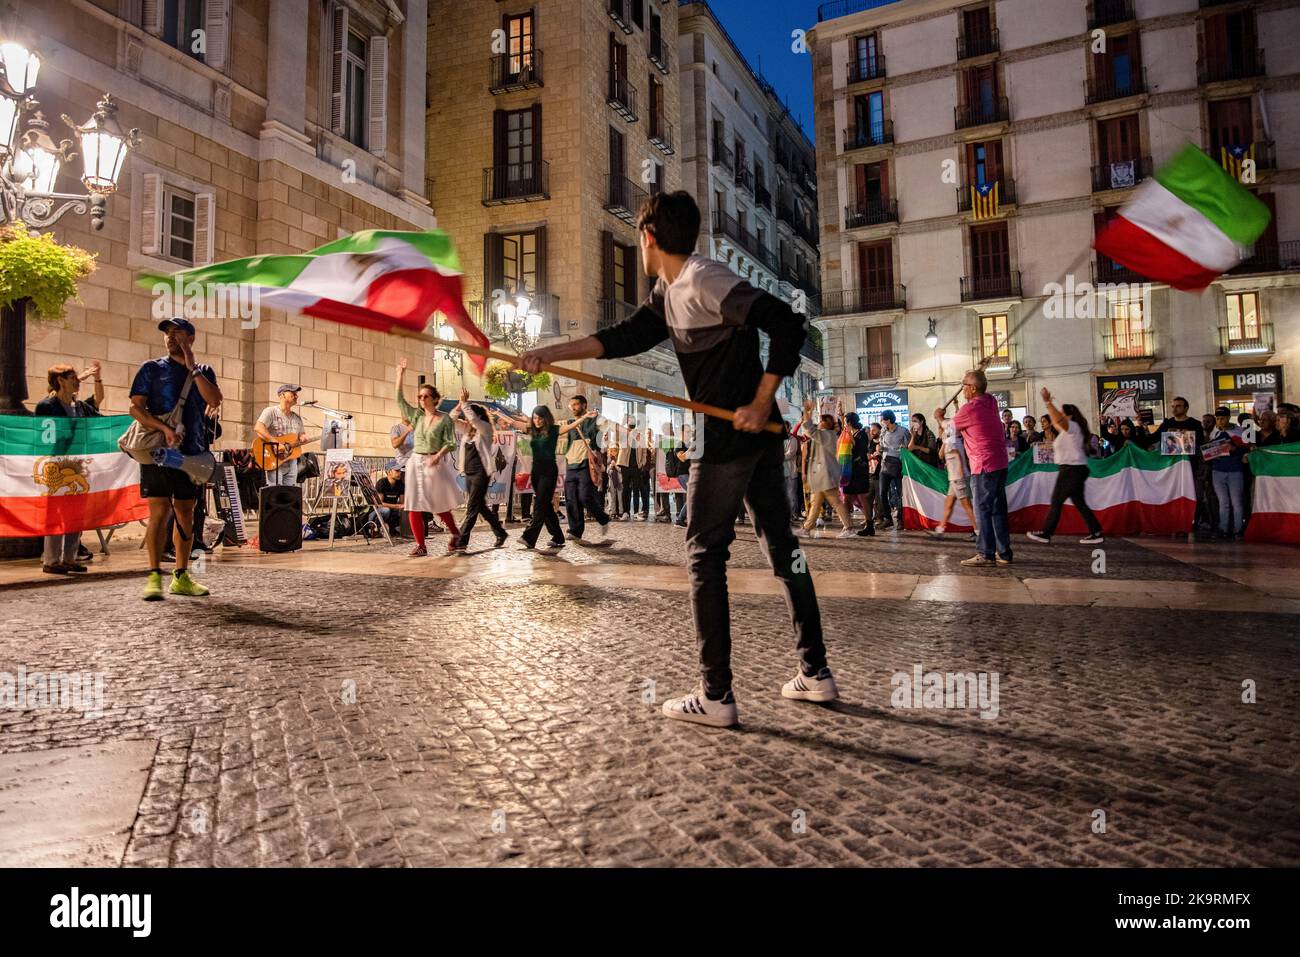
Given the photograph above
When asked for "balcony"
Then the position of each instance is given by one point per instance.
(1134, 344)
(1122, 175)
(810, 350)
(1004, 286)
(1261, 151)
(1243, 66)
(658, 52)
(1006, 194)
(516, 183)
(727, 225)
(977, 44)
(870, 212)
(996, 110)
(620, 11)
(1102, 88)
(518, 72)
(1105, 269)
(622, 97)
(807, 233)
(1266, 257)
(722, 155)
(1253, 340)
(783, 159)
(847, 302)
(623, 197)
(884, 366)
(487, 320)
(785, 212)
(762, 196)
(661, 135)
(870, 68)
(1108, 12)
(745, 178)
(870, 134)
(614, 311)
(1005, 361)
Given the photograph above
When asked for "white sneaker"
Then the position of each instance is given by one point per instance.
(1038, 537)
(699, 709)
(848, 532)
(602, 535)
(1092, 540)
(801, 532)
(820, 687)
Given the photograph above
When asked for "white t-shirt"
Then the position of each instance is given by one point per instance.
(1067, 447)
(281, 423)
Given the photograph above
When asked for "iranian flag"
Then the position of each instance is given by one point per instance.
(1187, 225)
(1133, 492)
(377, 279)
(1275, 501)
(61, 475)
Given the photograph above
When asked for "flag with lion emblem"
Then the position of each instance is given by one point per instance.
(60, 475)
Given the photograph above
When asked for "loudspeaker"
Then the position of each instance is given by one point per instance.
(279, 514)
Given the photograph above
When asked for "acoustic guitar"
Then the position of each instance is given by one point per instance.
(269, 454)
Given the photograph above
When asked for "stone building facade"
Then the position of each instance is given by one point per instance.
(973, 150)
(278, 126)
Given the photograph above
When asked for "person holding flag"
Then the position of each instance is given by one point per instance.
(713, 318)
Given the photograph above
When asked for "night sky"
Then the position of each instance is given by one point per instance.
(762, 28)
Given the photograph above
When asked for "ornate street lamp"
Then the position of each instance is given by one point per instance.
(30, 164)
(520, 322)
(932, 335)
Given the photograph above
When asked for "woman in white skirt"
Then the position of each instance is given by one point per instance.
(431, 472)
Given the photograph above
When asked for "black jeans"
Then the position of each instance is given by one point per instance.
(1069, 485)
(580, 493)
(714, 495)
(476, 486)
(631, 486)
(544, 508)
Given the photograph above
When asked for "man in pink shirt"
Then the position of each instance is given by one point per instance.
(986, 447)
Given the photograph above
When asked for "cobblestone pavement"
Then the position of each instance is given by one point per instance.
(512, 726)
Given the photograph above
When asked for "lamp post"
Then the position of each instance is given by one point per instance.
(932, 335)
(519, 322)
(30, 165)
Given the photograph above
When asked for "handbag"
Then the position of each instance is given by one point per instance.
(139, 442)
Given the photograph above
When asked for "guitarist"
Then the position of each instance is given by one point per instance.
(280, 423)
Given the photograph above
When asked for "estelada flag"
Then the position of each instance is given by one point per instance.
(1187, 225)
(377, 279)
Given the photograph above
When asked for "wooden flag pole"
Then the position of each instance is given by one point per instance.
(716, 411)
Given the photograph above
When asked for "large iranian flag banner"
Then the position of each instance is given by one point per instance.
(61, 475)
(1132, 493)
(1276, 496)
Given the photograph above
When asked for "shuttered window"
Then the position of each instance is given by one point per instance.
(1118, 140)
(990, 253)
(878, 347)
(876, 266)
(993, 337)
(1231, 124)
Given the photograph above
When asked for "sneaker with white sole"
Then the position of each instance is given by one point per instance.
(978, 561)
(1093, 540)
(698, 708)
(1038, 537)
(847, 533)
(602, 535)
(820, 687)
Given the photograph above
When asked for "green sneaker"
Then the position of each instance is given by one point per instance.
(183, 584)
(153, 587)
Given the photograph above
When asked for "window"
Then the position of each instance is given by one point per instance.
(657, 113)
(1243, 317)
(1230, 47)
(624, 273)
(980, 88)
(989, 251)
(354, 90)
(657, 178)
(1231, 124)
(983, 163)
(181, 20)
(638, 12)
(977, 26)
(869, 117)
(617, 157)
(1127, 330)
(876, 266)
(864, 55)
(878, 351)
(871, 184)
(1118, 140)
(993, 337)
(517, 153)
(519, 43)
(514, 262)
(358, 81)
(178, 225)
(1118, 68)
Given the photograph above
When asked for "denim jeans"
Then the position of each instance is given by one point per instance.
(1228, 489)
(989, 491)
(716, 492)
(891, 494)
(61, 549)
(580, 493)
(286, 474)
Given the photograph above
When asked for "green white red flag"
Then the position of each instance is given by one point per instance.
(1275, 496)
(377, 279)
(1187, 225)
(60, 475)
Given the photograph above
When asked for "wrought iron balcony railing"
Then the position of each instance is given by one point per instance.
(722, 155)
(658, 52)
(873, 367)
(1250, 340)
(620, 11)
(995, 286)
(1102, 88)
(1133, 344)
(1006, 194)
(997, 110)
(1105, 269)
(661, 135)
(520, 71)
(862, 69)
(1242, 66)
(622, 96)
(1122, 175)
(1106, 12)
(1005, 359)
(846, 302)
(869, 134)
(516, 183)
(762, 196)
(977, 44)
(745, 178)
(870, 212)
(623, 197)
(1270, 257)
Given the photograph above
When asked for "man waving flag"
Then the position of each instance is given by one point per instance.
(1186, 226)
